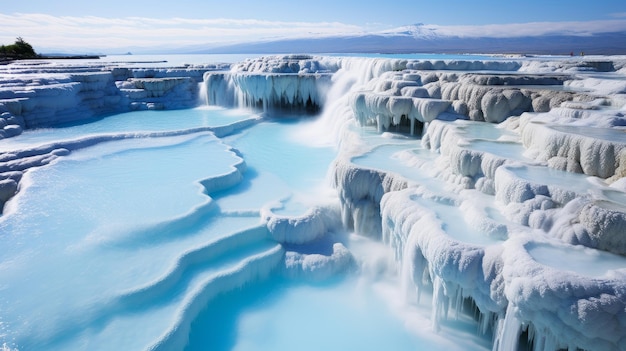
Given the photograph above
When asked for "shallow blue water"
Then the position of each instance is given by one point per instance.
(577, 259)
(127, 244)
(282, 315)
(139, 121)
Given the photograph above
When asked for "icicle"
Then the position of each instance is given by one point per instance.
(408, 276)
(508, 331)
(485, 320)
(441, 303)
(458, 301)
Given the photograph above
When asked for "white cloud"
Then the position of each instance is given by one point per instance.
(100, 34)
(97, 33)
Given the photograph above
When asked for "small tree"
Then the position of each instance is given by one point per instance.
(19, 50)
(24, 48)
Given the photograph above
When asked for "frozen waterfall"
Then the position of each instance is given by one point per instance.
(483, 221)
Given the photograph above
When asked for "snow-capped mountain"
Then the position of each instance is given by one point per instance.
(424, 38)
(417, 31)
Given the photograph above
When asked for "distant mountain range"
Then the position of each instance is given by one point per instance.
(422, 39)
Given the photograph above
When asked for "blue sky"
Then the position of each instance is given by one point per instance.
(107, 25)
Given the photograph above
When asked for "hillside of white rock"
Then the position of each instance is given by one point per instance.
(499, 183)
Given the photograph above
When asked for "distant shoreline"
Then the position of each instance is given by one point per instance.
(69, 57)
(6, 60)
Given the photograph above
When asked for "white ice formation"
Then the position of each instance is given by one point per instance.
(523, 217)
(482, 221)
(42, 94)
(284, 84)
